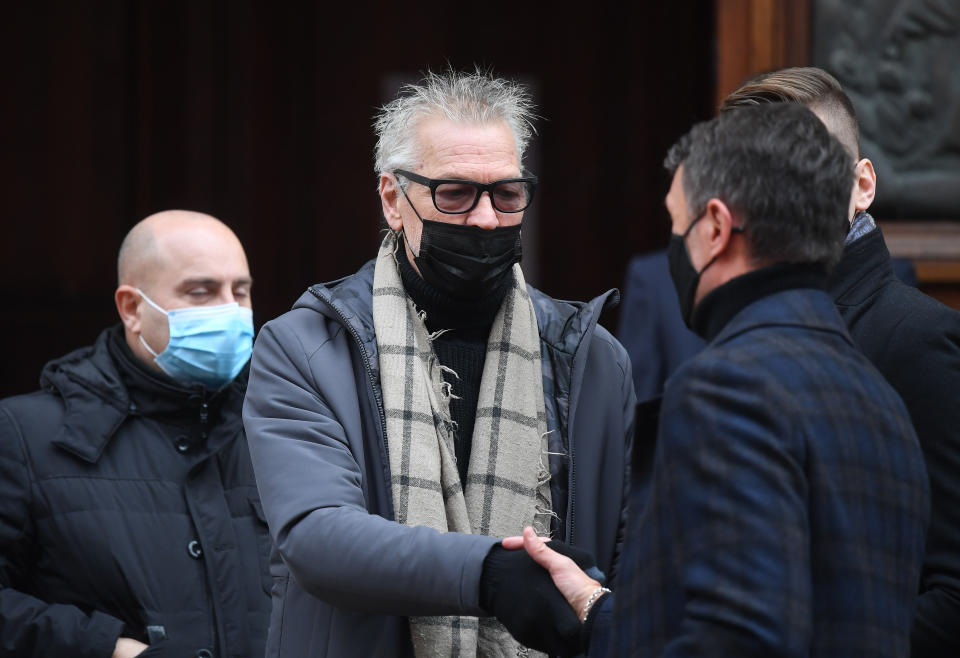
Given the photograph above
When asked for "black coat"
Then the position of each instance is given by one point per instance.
(914, 341)
(128, 506)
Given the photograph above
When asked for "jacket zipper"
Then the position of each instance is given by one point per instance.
(571, 495)
(214, 641)
(366, 362)
(204, 416)
(571, 510)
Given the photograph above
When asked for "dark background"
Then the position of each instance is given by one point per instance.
(260, 114)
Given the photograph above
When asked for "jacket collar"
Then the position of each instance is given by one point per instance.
(717, 309)
(349, 301)
(100, 388)
(805, 308)
(94, 398)
(563, 324)
(863, 269)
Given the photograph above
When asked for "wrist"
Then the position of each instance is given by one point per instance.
(586, 628)
(595, 595)
(494, 565)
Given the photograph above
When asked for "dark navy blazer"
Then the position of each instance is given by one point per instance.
(788, 504)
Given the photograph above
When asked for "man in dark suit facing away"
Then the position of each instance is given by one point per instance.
(912, 339)
(789, 499)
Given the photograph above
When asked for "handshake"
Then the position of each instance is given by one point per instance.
(542, 592)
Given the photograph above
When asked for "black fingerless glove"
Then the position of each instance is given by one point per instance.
(582, 558)
(521, 594)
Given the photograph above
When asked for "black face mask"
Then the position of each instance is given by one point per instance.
(685, 276)
(467, 262)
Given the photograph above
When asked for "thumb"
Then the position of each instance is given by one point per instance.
(512, 543)
(515, 542)
(537, 548)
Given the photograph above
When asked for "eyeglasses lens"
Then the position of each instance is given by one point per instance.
(454, 197)
(511, 197)
(458, 197)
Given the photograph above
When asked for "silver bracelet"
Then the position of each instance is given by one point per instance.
(597, 593)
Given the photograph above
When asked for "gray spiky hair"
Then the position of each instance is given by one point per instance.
(476, 97)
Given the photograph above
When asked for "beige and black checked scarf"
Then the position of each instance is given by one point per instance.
(507, 480)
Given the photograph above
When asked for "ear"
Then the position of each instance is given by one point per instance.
(719, 219)
(128, 306)
(866, 185)
(390, 198)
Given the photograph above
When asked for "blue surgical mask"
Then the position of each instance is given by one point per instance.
(208, 345)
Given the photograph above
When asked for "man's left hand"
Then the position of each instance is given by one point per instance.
(521, 595)
(575, 585)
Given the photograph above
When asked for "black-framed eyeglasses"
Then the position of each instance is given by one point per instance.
(455, 197)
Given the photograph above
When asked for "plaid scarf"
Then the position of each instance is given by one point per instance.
(507, 484)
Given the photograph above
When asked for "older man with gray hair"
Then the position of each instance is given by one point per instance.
(404, 418)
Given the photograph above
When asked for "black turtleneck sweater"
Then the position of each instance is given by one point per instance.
(462, 347)
(719, 306)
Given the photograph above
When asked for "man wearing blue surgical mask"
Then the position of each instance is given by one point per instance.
(197, 324)
(129, 517)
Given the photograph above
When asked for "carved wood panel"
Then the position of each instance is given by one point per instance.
(898, 61)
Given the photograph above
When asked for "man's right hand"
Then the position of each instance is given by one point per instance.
(128, 648)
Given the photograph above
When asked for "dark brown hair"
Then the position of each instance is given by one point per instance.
(781, 170)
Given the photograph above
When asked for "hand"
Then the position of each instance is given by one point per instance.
(575, 585)
(521, 595)
(128, 648)
(581, 558)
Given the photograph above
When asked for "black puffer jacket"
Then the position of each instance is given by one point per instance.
(128, 506)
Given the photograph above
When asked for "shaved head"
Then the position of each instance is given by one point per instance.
(145, 248)
(177, 258)
(837, 117)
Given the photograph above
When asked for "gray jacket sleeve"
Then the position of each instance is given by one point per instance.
(303, 420)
